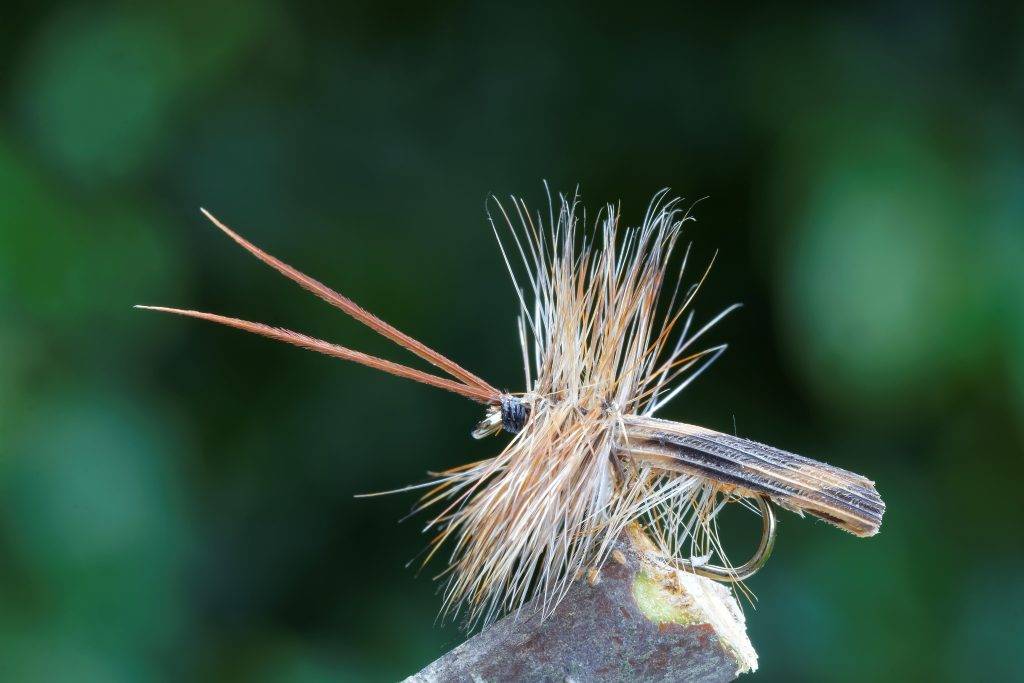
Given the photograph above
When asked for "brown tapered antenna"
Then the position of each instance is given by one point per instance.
(335, 351)
(359, 313)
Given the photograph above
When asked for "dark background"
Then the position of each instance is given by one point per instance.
(176, 500)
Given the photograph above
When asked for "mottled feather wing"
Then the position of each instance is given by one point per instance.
(749, 468)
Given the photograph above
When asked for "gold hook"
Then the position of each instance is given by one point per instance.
(750, 567)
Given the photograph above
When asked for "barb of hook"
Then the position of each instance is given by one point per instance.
(748, 568)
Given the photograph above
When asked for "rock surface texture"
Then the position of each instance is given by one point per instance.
(640, 621)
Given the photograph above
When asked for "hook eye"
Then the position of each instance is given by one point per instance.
(490, 425)
(748, 568)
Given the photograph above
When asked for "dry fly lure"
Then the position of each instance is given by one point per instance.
(602, 353)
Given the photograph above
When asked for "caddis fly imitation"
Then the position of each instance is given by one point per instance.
(602, 353)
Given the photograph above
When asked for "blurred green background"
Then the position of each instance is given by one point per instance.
(176, 500)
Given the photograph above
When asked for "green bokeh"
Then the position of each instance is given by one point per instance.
(176, 500)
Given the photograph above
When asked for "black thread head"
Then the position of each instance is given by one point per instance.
(513, 414)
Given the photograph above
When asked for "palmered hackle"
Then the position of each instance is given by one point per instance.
(604, 335)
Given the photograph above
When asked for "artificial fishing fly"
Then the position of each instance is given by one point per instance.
(587, 456)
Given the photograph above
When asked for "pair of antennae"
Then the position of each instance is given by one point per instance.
(465, 383)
